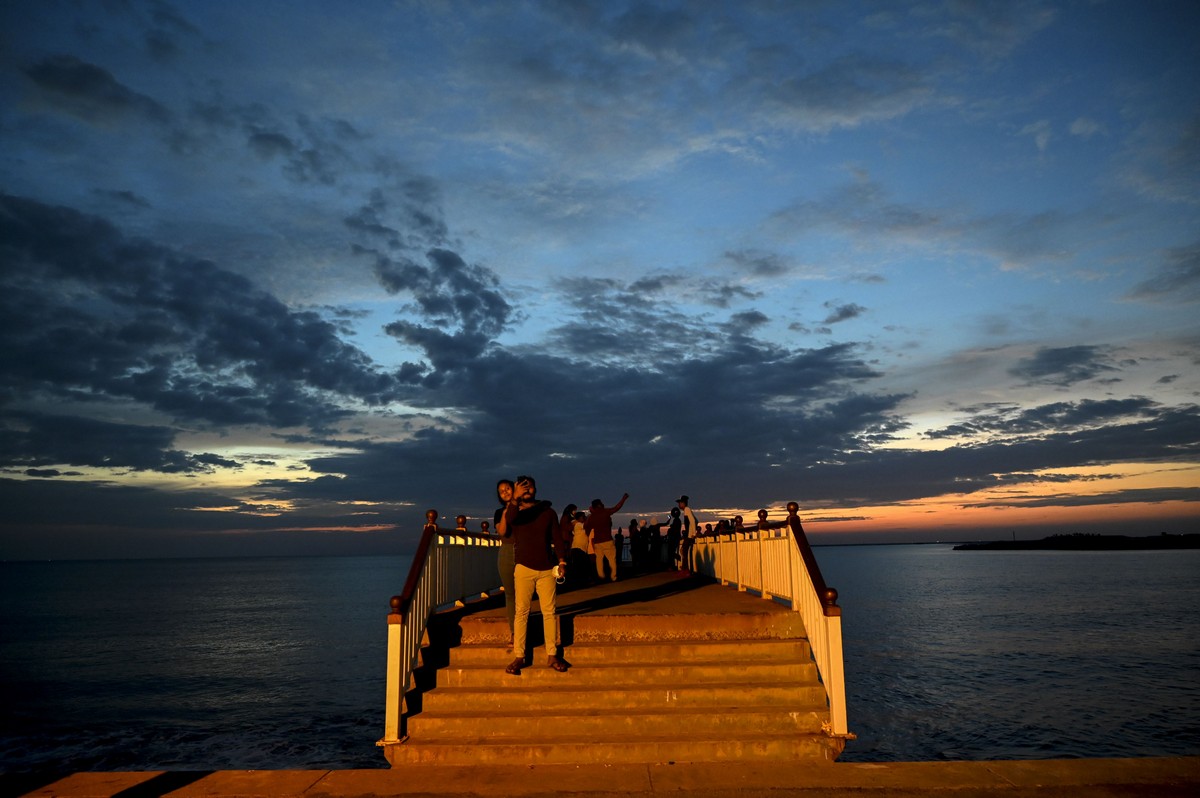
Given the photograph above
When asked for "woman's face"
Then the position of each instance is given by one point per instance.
(505, 492)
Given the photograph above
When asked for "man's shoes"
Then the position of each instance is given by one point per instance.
(556, 664)
(515, 666)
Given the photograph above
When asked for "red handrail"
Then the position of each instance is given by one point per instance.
(399, 604)
(826, 594)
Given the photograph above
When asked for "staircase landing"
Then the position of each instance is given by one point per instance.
(663, 668)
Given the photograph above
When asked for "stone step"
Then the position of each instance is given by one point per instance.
(629, 725)
(733, 652)
(488, 701)
(573, 750)
(617, 628)
(627, 675)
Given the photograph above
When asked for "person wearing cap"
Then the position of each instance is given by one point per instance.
(540, 554)
(690, 530)
(599, 526)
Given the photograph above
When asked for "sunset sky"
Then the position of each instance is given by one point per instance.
(279, 276)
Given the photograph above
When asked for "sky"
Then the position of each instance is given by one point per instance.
(278, 277)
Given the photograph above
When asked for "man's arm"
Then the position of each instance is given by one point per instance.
(619, 504)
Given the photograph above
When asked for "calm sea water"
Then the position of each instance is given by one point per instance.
(274, 663)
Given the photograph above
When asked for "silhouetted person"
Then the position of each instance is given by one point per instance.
(654, 538)
(674, 530)
(637, 546)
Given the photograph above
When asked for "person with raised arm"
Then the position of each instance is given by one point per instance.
(599, 526)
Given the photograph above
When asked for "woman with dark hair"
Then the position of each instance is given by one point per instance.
(506, 562)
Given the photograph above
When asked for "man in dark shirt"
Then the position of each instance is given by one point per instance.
(599, 526)
(540, 552)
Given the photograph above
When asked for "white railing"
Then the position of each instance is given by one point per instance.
(778, 563)
(449, 567)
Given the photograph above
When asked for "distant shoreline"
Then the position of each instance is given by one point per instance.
(1084, 542)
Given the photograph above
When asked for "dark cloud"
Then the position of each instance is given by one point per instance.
(1065, 365)
(655, 284)
(91, 92)
(315, 151)
(843, 312)
(449, 294)
(29, 439)
(860, 205)
(1130, 496)
(406, 216)
(749, 319)
(1178, 280)
(169, 28)
(127, 198)
(660, 425)
(82, 520)
(1165, 435)
(269, 144)
(761, 264)
(90, 315)
(1057, 416)
(849, 91)
(722, 295)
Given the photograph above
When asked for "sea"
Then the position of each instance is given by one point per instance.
(278, 663)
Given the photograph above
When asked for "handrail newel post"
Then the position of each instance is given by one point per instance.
(394, 707)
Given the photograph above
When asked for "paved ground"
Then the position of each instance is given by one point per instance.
(1060, 778)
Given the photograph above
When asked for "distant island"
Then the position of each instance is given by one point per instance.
(1085, 542)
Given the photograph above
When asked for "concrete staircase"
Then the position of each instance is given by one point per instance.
(663, 668)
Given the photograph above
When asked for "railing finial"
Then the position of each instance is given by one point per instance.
(829, 597)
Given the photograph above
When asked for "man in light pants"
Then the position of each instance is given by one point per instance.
(599, 526)
(540, 552)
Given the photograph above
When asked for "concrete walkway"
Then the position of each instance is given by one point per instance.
(1058, 778)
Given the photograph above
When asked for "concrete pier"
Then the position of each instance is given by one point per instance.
(1056, 778)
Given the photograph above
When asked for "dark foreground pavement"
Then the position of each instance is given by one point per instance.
(1056, 778)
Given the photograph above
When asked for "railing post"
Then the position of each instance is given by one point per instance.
(394, 706)
(837, 673)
